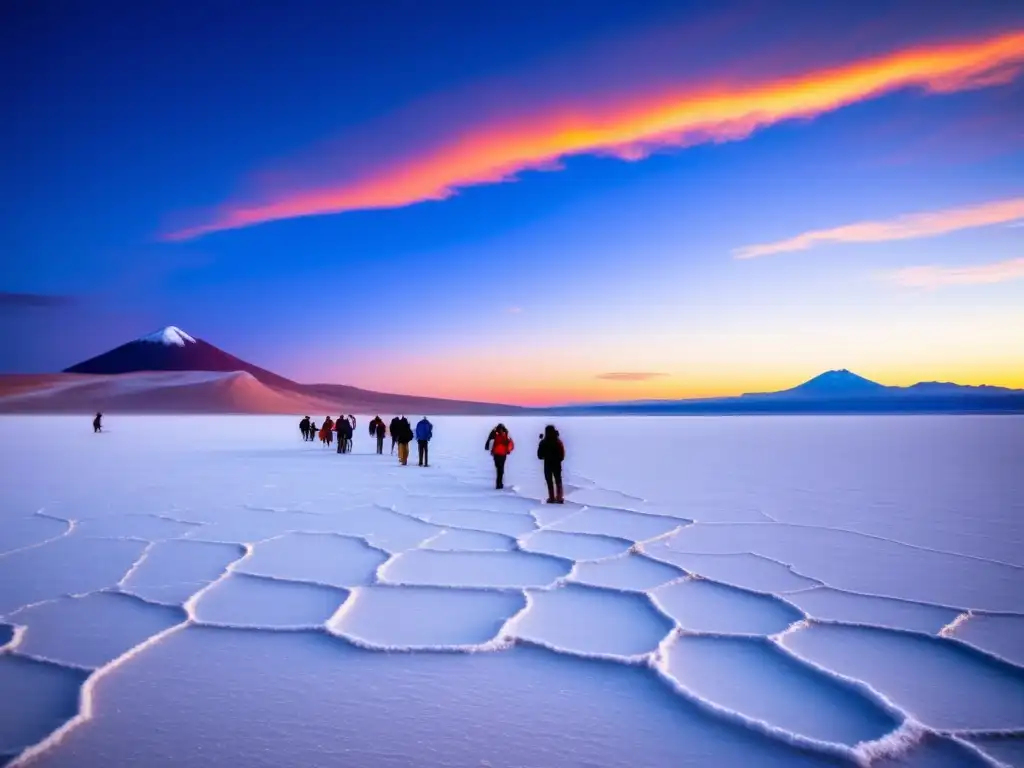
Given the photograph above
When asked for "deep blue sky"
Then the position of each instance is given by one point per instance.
(135, 120)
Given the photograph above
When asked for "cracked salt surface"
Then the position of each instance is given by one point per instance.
(271, 603)
(699, 605)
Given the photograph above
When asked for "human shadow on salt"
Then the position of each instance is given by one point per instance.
(943, 683)
(252, 601)
(426, 617)
(329, 559)
(588, 620)
(635, 526)
(38, 697)
(171, 570)
(575, 546)
(700, 605)
(289, 699)
(756, 678)
(474, 569)
(837, 605)
(94, 629)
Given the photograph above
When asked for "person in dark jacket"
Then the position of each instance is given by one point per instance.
(394, 428)
(344, 428)
(378, 429)
(304, 428)
(551, 451)
(313, 431)
(500, 444)
(424, 432)
(403, 434)
(97, 423)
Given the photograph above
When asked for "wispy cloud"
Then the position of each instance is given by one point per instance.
(632, 127)
(630, 376)
(34, 300)
(937, 277)
(910, 226)
(514, 310)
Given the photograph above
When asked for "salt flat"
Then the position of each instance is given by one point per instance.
(778, 591)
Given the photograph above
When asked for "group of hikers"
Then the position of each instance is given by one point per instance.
(402, 433)
(499, 444)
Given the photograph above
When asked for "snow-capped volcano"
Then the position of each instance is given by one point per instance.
(171, 349)
(169, 335)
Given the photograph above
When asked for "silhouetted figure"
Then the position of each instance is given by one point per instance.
(500, 444)
(424, 432)
(378, 429)
(327, 431)
(97, 423)
(304, 428)
(551, 451)
(351, 432)
(344, 427)
(403, 435)
(313, 431)
(393, 428)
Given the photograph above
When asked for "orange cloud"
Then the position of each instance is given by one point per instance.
(907, 227)
(937, 277)
(633, 128)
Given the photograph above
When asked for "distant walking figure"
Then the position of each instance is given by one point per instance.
(339, 426)
(551, 451)
(424, 432)
(327, 431)
(500, 444)
(344, 435)
(394, 427)
(304, 428)
(313, 432)
(377, 429)
(351, 432)
(404, 436)
(97, 423)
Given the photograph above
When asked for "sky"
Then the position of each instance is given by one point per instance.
(524, 202)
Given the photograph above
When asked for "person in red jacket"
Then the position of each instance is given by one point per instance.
(551, 451)
(500, 444)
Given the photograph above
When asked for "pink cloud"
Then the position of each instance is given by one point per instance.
(907, 227)
(629, 125)
(937, 277)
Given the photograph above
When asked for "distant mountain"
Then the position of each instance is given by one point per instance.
(948, 388)
(841, 383)
(838, 391)
(171, 349)
(171, 371)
